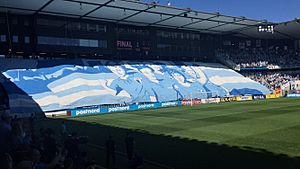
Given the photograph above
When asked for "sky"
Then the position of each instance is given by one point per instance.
(272, 10)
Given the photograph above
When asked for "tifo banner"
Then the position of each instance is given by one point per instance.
(293, 95)
(77, 83)
(130, 107)
(259, 97)
(272, 96)
(243, 98)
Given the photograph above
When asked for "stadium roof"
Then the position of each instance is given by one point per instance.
(139, 13)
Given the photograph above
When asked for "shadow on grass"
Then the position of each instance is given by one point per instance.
(179, 153)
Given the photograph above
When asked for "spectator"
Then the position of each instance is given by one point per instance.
(36, 157)
(18, 133)
(6, 161)
(5, 133)
(26, 164)
(137, 162)
(50, 145)
(63, 130)
(110, 152)
(71, 145)
(129, 142)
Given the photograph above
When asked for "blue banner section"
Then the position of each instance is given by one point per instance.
(131, 107)
(116, 109)
(85, 111)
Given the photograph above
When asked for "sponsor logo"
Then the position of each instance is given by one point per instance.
(146, 106)
(189, 102)
(293, 95)
(211, 100)
(228, 99)
(272, 96)
(186, 102)
(256, 97)
(87, 111)
(243, 98)
(167, 104)
(115, 109)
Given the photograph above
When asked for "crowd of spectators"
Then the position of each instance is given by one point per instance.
(20, 149)
(23, 148)
(273, 80)
(272, 58)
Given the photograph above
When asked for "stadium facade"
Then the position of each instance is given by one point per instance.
(129, 30)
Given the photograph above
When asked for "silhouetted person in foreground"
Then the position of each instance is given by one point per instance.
(63, 130)
(137, 161)
(50, 145)
(110, 152)
(129, 142)
(6, 161)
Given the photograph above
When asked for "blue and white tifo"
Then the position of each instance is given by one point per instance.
(69, 86)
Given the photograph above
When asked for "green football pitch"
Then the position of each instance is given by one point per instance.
(251, 134)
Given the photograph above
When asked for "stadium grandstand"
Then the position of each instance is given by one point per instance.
(61, 58)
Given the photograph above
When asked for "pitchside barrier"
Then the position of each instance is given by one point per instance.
(133, 107)
(293, 95)
(110, 109)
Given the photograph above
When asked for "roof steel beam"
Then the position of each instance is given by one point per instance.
(173, 16)
(43, 7)
(149, 7)
(100, 6)
(235, 21)
(195, 22)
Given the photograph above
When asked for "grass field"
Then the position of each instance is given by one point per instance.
(254, 134)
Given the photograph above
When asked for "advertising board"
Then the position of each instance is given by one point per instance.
(121, 108)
